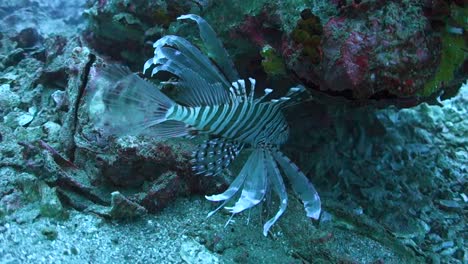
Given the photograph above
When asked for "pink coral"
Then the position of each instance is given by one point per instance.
(354, 58)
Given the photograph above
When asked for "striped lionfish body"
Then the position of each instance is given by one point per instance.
(211, 99)
(250, 122)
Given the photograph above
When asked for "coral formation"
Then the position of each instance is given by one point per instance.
(121, 28)
(308, 34)
(393, 179)
(372, 50)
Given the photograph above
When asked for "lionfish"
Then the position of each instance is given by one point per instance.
(212, 99)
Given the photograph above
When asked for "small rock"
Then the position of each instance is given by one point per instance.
(434, 237)
(464, 197)
(448, 251)
(61, 100)
(435, 258)
(326, 218)
(443, 245)
(450, 204)
(26, 118)
(50, 233)
(192, 252)
(50, 203)
(27, 214)
(28, 134)
(21, 119)
(28, 38)
(447, 244)
(8, 99)
(29, 185)
(123, 208)
(11, 202)
(52, 129)
(74, 250)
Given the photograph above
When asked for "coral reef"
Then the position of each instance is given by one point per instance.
(308, 34)
(364, 51)
(373, 50)
(392, 180)
(121, 28)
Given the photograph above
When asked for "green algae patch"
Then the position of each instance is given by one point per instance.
(272, 63)
(453, 54)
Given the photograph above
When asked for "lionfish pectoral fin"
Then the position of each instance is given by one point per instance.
(236, 185)
(215, 155)
(214, 46)
(199, 85)
(300, 184)
(255, 184)
(279, 188)
(202, 82)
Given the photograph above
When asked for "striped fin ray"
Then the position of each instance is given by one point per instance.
(252, 179)
(294, 96)
(238, 89)
(252, 89)
(300, 184)
(197, 88)
(197, 92)
(174, 48)
(215, 155)
(267, 91)
(234, 188)
(198, 75)
(243, 89)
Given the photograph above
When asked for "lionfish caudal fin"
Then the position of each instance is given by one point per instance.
(200, 82)
(262, 172)
(132, 106)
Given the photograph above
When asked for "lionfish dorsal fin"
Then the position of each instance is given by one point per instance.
(195, 91)
(266, 91)
(294, 96)
(214, 155)
(243, 90)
